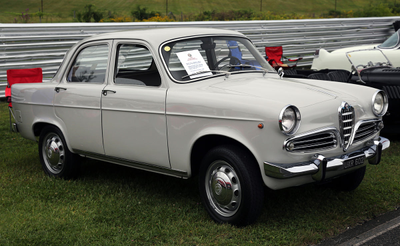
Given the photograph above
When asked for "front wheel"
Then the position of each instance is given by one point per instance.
(231, 186)
(55, 157)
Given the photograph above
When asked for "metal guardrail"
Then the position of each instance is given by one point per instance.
(44, 45)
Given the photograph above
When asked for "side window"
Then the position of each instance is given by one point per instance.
(135, 66)
(90, 65)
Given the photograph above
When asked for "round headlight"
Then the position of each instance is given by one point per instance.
(379, 103)
(289, 119)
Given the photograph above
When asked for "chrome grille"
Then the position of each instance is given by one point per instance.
(312, 142)
(346, 119)
(366, 130)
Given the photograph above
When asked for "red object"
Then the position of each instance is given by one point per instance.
(275, 55)
(14, 76)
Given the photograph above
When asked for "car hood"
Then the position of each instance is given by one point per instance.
(271, 88)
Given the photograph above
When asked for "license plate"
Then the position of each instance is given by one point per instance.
(353, 162)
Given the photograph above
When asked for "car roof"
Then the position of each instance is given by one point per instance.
(156, 36)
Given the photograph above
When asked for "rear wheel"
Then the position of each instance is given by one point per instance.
(230, 186)
(350, 181)
(55, 157)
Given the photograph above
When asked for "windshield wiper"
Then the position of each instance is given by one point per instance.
(209, 71)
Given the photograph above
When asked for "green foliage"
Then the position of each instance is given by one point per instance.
(376, 9)
(273, 16)
(337, 14)
(22, 17)
(140, 13)
(195, 10)
(188, 10)
(224, 15)
(395, 8)
(117, 19)
(90, 12)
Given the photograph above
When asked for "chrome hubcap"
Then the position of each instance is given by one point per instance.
(223, 188)
(53, 153)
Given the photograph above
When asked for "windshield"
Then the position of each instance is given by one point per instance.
(391, 42)
(362, 59)
(193, 59)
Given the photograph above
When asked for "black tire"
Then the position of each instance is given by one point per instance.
(231, 187)
(55, 157)
(351, 181)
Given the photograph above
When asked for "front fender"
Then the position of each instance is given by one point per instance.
(181, 140)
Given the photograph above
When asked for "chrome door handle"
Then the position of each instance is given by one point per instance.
(105, 92)
(57, 89)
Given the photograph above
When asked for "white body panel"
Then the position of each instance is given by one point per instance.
(337, 59)
(134, 126)
(78, 107)
(159, 126)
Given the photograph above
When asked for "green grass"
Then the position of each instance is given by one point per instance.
(62, 11)
(114, 205)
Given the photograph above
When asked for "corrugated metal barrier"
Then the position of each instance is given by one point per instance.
(44, 45)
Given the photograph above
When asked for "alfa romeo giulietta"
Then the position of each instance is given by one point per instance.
(200, 102)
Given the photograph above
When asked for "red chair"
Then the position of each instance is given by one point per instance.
(275, 55)
(14, 76)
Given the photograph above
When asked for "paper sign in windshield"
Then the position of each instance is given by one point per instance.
(194, 64)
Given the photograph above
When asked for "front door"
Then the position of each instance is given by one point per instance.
(133, 108)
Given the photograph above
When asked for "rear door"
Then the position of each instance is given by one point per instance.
(77, 101)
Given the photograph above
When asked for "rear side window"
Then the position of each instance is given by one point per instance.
(135, 66)
(90, 65)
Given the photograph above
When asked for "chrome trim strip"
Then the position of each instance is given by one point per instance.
(313, 140)
(337, 134)
(214, 117)
(357, 125)
(160, 112)
(76, 107)
(32, 103)
(312, 167)
(348, 111)
(328, 130)
(133, 164)
(315, 145)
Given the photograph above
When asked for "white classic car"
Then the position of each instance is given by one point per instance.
(337, 59)
(193, 101)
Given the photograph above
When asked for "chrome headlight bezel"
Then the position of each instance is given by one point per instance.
(284, 118)
(379, 96)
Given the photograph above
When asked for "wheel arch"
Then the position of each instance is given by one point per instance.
(205, 143)
(38, 127)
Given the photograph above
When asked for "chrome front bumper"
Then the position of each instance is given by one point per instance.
(319, 164)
